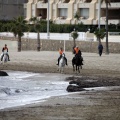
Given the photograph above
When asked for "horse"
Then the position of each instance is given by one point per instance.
(62, 63)
(77, 61)
(5, 58)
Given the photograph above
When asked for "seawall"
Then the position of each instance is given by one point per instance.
(54, 45)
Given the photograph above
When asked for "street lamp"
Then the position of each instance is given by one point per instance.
(48, 21)
(99, 13)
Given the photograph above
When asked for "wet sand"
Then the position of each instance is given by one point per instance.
(86, 105)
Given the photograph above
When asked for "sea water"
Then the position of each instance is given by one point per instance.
(21, 88)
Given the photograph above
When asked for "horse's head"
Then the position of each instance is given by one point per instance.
(79, 53)
(63, 54)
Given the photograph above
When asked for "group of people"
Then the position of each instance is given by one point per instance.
(76, 51)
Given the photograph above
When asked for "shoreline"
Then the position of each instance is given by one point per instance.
(53, 69)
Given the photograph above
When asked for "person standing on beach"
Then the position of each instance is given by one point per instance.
(5, 49)
(100, 49)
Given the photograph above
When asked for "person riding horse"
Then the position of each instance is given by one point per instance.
(61, 52)
(5, 49)
(78, 53)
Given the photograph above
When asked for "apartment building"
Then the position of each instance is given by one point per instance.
(11, 8)
(63, 11)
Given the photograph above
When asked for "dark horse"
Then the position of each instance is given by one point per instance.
(77, 61)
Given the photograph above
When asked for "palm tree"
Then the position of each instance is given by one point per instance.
(36, 23)
(19, 26)
(107, 2)
(100, 34)
(74, 35)
(77, 16)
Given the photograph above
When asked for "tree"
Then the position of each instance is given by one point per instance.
(77, 16)
(18, 27)
(36, 23)
(107, 2)
(100, 34)
(74, 35)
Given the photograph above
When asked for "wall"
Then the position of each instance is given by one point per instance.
(12, 45)
(54, 45)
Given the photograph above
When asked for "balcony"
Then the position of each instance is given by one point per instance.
(62, 5)
(113, 22)
(113, 5)
(84, 5)
(60, 21)
(42, 4)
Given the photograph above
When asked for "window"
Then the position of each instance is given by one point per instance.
(84, 12)
(63, 12)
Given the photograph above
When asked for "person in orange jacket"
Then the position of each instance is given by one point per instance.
(61, 52)
(5, 49)
(77, 51)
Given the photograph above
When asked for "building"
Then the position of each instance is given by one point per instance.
(63, 11)
(11, 8)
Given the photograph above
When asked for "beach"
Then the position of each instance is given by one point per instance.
(100, 104)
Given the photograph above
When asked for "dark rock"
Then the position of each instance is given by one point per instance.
(7, 91)
(2, 73)
(79, 83)
(17, 91)
(73, 88)
(74, 82)
(85, 84)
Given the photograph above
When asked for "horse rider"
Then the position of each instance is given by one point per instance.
(77, 52)
(5, 49)
(61, 52)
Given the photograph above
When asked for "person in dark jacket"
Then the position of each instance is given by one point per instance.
(100, 49)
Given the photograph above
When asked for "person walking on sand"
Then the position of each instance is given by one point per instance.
(100, 49)
(5, 49)
(61, 52)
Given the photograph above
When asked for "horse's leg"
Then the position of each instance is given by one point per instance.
(3, 60)
(78, 69)
(62, 70)
(81, 66)
(73, 67)
(59, 69)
